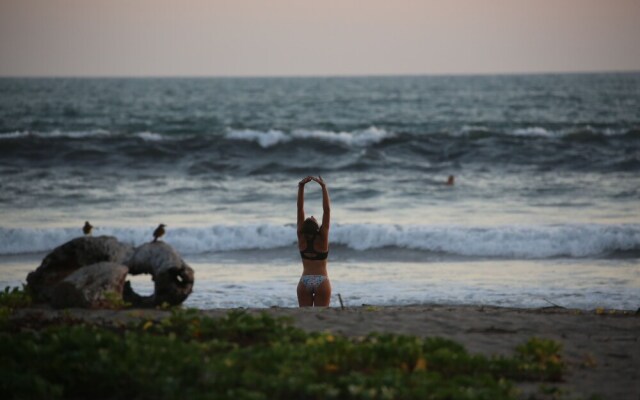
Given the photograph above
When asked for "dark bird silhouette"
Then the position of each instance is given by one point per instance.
(159, 232)
(86, 229)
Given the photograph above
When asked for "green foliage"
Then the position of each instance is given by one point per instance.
(12, 298)
(114, 301)
(536, 360)
(245, 356)
(165, 306)
(540, 359)
(237, 327)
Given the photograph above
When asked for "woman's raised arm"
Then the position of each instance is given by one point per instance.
(301, 201)
(326, 204)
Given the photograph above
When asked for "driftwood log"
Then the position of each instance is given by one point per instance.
(90, 272)
(94, 286)
(71, 256)
(173, 278)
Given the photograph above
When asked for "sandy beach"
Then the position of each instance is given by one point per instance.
(601, 348)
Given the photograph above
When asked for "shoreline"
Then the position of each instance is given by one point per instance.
(223, 283)
(600, 347)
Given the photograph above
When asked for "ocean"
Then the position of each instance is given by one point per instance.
(544, 210)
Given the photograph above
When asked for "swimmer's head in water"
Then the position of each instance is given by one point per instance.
(310, 226)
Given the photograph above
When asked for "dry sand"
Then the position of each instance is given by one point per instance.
(602, 349)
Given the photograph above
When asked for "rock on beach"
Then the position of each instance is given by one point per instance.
(90, 272)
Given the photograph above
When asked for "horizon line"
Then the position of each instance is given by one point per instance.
(319, 76)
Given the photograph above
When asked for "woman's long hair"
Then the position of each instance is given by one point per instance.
(309, 228)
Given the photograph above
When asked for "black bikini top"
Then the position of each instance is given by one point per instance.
(310, 254)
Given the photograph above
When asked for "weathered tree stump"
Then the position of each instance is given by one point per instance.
(71, 256)
(94, 286)
(83, 271)
(173, 278)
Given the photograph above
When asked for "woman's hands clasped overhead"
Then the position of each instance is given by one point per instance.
(308, 179)
(305, 180)
(319, 180)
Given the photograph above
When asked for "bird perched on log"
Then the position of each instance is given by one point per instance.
(159, 232)
(86, 229)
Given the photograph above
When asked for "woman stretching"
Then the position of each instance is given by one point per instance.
(314, 288)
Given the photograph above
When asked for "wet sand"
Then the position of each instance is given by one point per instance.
(602, 349)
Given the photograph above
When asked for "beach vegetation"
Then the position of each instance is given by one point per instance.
(114, 301)
(255, 356)
(15, 297)
(165, 306)
(12, 298)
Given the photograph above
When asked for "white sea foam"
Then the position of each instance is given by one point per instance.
(150, 136)
(364, 137)
(533, 131)
(264, 139)
(528, 242)
(272, 137)
(73, 134)
(13, 135)
(537, 131)
(56, 134)
(518, 242)
(466, 129)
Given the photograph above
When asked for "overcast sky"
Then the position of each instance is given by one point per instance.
(316, 37)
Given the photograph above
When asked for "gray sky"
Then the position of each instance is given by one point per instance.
(315, 37)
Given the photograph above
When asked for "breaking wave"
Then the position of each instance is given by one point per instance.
(272, 137)
(527, 242)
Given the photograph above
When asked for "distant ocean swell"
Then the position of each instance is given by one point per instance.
(360, 137)
(241, 149)
(511, 242)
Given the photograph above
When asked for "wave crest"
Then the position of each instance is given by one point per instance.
(272, 137)
(526, 242)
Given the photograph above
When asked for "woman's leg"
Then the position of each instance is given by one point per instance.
(305, 298)
(323, 294)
